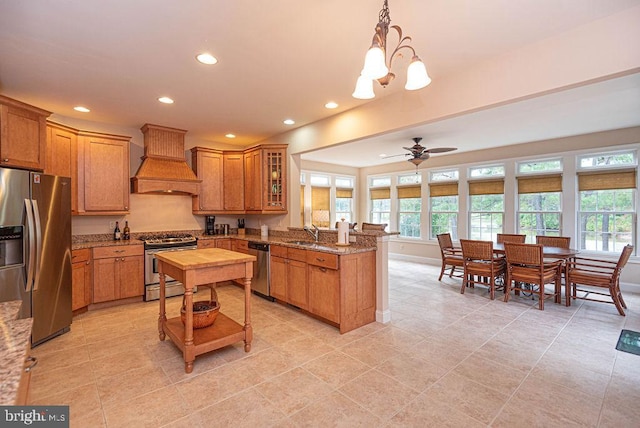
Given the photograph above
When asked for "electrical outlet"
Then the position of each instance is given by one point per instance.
(352, 239)
(112, 225)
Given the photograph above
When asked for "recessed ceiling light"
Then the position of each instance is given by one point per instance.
(230, 135)
(165, 100)
(382, 155)
(207, 58)
(331, 104)
(289, 121)
(81, 109)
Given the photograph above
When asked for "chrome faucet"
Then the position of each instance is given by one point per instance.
(315, 233)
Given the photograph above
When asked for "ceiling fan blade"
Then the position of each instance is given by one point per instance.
(424, 156)
(393, 156)
(440, 150)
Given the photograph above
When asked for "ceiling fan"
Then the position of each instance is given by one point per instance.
(420, 153)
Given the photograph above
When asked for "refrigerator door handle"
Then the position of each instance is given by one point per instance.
(38, 251)
(32, 244)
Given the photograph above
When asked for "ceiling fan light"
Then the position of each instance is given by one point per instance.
(416, 161)
(374, 64)
(364, 89)
(417, 77)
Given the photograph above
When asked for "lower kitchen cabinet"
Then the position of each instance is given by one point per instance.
(118, 272)
(289, 276)
(324, 293)
(338, 288)
(81, 283)
(224, 243)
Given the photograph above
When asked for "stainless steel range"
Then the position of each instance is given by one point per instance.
(156, 244)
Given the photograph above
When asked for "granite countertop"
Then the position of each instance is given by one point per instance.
(15, 340)
(288, 239)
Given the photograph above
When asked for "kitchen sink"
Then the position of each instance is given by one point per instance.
(305, 243)
(311, 244)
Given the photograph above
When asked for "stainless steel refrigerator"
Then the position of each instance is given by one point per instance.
(35, 249)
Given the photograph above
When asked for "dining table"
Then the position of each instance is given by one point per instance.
(548, 252)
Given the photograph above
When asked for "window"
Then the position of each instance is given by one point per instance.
(540, 166)
(607, 160)
(486, 213)
(380, 205)
(409, 208)
(606, 216)
(409, 179)
(444, 209)
(344, 204)
(380, 182)
(320, 206)
(539, 209)
(486, 171)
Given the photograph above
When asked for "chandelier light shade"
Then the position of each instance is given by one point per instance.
(375, 62)
(364, 89)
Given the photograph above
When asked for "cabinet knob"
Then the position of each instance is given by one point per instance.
(5, 160)
(122, 259)
(87, 262)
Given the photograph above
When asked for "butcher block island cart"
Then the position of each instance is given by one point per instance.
(199, 268)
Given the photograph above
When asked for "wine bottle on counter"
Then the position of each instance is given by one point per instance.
(126, 233)
(116, 232)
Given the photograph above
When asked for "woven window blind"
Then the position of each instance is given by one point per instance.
(409, 192)
(607, 180)
(443, 189)
(344, 193)
(486, 187)
(320, 198)
(381, 193)
(540, 184)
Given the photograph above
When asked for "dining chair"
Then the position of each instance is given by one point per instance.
(554, 241)
(374, 226)
(450, 256)
(527, 269)
(481, 265)
(596, 273)
(510, 237)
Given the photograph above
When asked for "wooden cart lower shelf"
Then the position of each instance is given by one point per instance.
(204, 267)
(223, 332)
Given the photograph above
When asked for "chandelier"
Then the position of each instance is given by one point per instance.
(375, 66)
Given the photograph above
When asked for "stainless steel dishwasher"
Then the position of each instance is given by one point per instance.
(260, 281)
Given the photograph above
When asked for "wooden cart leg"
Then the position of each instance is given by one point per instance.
(162, 318)
(248, 330)
(189, 352)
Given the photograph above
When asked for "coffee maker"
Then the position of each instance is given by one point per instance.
(209, 222)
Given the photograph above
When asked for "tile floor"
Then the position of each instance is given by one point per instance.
(446, 359)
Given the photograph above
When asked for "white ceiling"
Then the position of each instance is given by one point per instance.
(287, 58)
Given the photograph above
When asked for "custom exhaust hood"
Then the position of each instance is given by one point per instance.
(164, 169)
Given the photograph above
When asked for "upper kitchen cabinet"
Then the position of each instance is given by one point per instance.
(62, 156)
(23, 134)
(265, 175)
(233, 182)
(103, 174)
(208, 166)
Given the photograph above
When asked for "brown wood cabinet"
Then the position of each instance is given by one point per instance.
(289, 276)
(82, 283)
(23, 134)
(208, 166)
(233, 182)
(338, 288)
(62, 156)
(265, 172)
(238, 182)
(103, 174)
(224, 243)
(118, 272)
